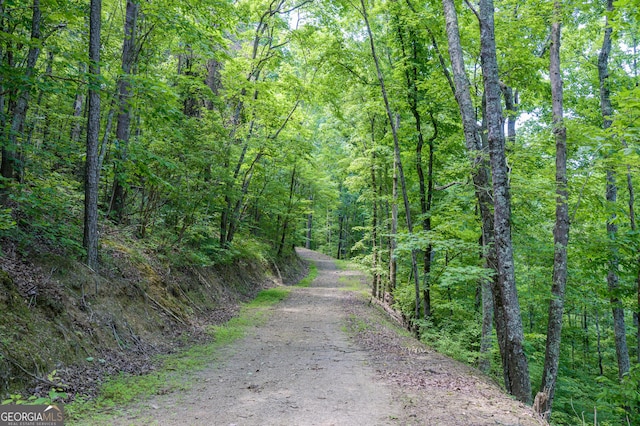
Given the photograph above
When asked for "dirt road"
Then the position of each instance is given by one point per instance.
(324, 357)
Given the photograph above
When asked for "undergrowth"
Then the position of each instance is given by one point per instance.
(122, 389)
(313, 273)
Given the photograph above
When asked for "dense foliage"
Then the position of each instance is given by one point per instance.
(252, 126)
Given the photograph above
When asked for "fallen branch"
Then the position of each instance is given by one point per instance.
(391, 312)
(275, 265)
(30, 374)
(165, 309)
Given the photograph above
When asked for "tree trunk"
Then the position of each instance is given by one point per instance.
(479, 172)
(92, 173)
(511, 106)
(235, 215)
(124, 109)
(561, 230)
(426, 224)
(516, 361)
(397, 159)
(632, 217)
(632, 222)
(307, 244)
(426, 191)
(285, 224)
(484, 363)
(213, 80)
(632, 214)
(11, 166)
(375, 286)
(76, 128)
(393, 242)
(227, 224)
(340, 230)
(622, 350)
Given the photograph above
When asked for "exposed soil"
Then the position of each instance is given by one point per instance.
(325, 356)
(66, 327)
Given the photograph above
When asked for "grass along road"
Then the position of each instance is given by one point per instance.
(321, 356)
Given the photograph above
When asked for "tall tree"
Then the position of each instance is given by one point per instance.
(11, 167)
(92, 173)
(561, 230)
(393, 122)
(606, 109)
(480, 176)
(78, 102)
(425, 188)
(517, 366)
(123, 124)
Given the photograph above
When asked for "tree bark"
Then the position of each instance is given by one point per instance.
(307, 244)
(285, 223)
(227, 225)
(426, 205)
(340, 231)
(426, 190)
(484, 363)
(516, 361)
(393, 122)
(479, 172)
(213, 80)
(511, 106)
(11, 166)
(632, 215)
(622, 350)
(123, 123)
(561, 230)
(393, 241)
(92, 173)
(375, 285)
(76, 128)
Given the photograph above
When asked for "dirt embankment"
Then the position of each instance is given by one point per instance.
(56, 315)
(325, 356)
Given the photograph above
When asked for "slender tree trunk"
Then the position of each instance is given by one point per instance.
(426, 197)
(240, 205)
(213, 80)
(516, 362)
(11, 166)
(479, 172)
(426, 222)
(393, 242)
(398, 161)
(123, 125)
(632, 215)
(227, 225)
(309, 226)
(45, 120)
(285, 223)
(598, 344)
(375, 287)
(561, 230)
(426, 190)
(76, 128)
(622, 350)
(511, 106)
(484, 363)
(340, 230)
(92, 173)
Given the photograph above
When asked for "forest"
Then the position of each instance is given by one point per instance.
(477, 158)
